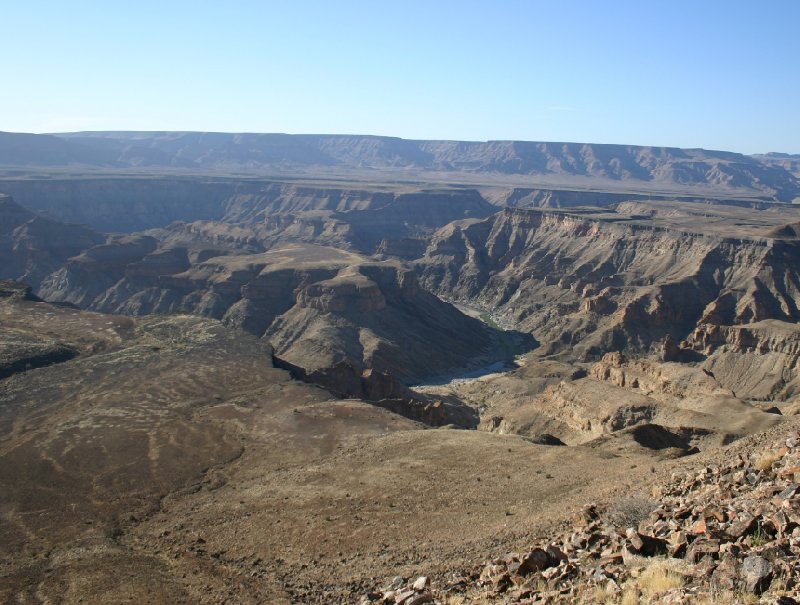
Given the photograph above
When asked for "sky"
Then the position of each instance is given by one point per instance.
(706, 73)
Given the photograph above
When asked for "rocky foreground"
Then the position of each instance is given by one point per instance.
(726, 533)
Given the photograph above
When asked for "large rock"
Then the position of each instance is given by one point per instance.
(756, 573)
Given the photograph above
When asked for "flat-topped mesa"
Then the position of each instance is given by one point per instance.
(118, 252)
(361, 288)
(406, 248)
(348, 291)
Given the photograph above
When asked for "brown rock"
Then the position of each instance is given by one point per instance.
(643, 544)
(555, 553)
(790, 472)
(669, 349)
(700, 548)
(677, 544)
(536, 560)
(587, 514)
(743, 525)
(699, 527)
(726, 575)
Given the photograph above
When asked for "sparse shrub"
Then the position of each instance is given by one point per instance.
(759, 537)
(629, 511)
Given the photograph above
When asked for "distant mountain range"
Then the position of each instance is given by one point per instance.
(772, 176)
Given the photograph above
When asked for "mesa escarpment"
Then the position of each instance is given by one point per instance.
(342, 154)
(135, 204)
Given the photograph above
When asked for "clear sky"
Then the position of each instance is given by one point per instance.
(718, 74)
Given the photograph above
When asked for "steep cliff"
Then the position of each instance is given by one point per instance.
(32, 246)
(589, 282)
(361, 217)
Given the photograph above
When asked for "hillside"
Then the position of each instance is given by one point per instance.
(394, 359)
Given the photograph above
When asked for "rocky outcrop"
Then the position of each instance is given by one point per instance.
(17, 290)
(19, 354)
(19, 350)
(376, 316)
(656, 379)
(620, 397)
(577, 412)
(760, 359)
(383, 390)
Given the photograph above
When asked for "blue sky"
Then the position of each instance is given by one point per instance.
(707, 73)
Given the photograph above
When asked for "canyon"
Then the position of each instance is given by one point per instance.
(288, 368)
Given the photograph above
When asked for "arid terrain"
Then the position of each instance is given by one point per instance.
(311, 369)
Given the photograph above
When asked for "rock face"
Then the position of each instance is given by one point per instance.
(120, 204)
(590, 282)
(268, 207)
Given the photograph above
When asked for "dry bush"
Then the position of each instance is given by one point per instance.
(765, 461)
(660, 575)
(631, 596)
(629, 511)
(726, 597)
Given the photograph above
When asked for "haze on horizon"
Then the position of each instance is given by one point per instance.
(717, 75)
